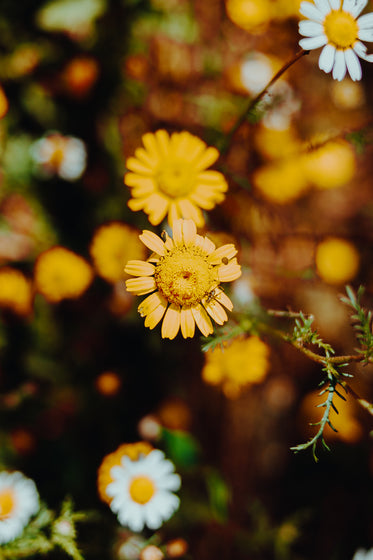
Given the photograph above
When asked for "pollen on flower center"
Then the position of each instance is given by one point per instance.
(175, 179)
(141, 489)
(341, 29)
(6, 503)
(184, 276)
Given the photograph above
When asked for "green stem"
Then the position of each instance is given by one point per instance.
(253, 102)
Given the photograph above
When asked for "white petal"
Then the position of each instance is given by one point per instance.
(354, 7)
(366, 34)
(365, 21)
(310, 11)
(311, 43)
(310, 28)
(361, 51)
(353, 65)
(326, 59)
(323, 6)
(335, 4)
(339, 69)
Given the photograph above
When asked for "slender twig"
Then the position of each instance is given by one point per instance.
(253, 102)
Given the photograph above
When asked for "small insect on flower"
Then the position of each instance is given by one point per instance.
(184, 274)
(19, 501)
(138, 482)
(335, 26)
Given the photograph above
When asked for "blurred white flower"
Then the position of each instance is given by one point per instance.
(55, 154)
(19, 500)
(362, 554)
(335, 26)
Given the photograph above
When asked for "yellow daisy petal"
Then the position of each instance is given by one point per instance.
(137, 166)
(202, 320)
(212, 179)
(163, 142)
(229, 272)
(190, 211)
(171, 322)
(136, 204)
(146, 158)
(139, 268)
(151, 303)
(187, 322)
(225, 252)
(155, 316)
(174, 213)
(209, 156)
(156, 207)
(189, 231)
(216, 311)
(141, 286)
(153, 242)
(177, 232)
(222, 298)
(151, 145)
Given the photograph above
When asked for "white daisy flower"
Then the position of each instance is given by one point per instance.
(19, 500)
(142, 491)
(335, 26)
(56, 154)
(362, 554)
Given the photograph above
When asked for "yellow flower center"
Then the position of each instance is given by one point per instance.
(184, 276)
(175, 179)
(341, 29)
(141, 489)
(6, 503)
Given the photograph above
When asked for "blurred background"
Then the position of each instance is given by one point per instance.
(81, 82)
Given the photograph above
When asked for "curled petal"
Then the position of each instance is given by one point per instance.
(153, 318)
(153, 242)
(151, 303)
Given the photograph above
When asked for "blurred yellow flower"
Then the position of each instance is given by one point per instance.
(237, 366)
(4, 104)
(282, 181)
(131, 450)
(275, 143)
(184, 279)
(169, 177)
(330, 166)
(59, 273)
(337, 260)
(15, 291)
(251, 15)
(113, 244)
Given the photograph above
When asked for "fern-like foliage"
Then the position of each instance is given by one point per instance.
(304, 334)
(362, 322)
(46, 532)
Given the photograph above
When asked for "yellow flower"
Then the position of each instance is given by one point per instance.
(337, 260)
(251, 15)
(235, 367)
(281, 182)
(184, 274)
(330, 166)
(169, 176)
(15, 291)
(112, 246)
(60, 273)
